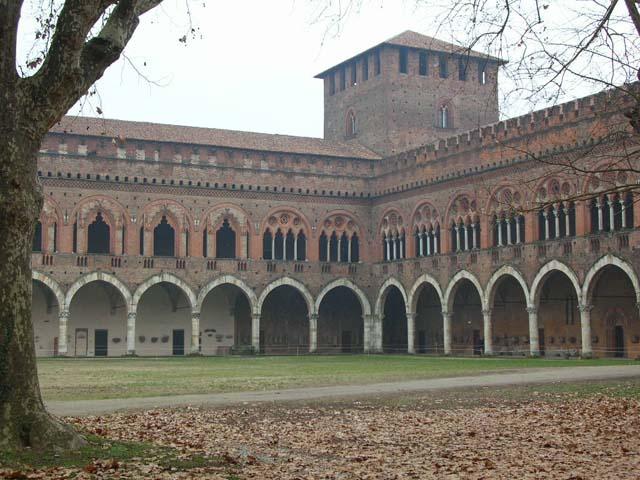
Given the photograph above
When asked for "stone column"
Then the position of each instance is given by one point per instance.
(567, 222)
(600, 221)
(329, 248)
(400, 247)
(612, 218)
(435, 243)
(623, 211)
(349, 250)
(313, 333)
(63, 322)
(518, 239)
(585, 323)
(395, 248)
(545, 214)
(295, 248)
(509, 234)
(339, 249)
(421, 244)
(388, 249)
(428, 235)
(474, 233)
(534, 339)
(466, 237)
(411, 328)
(273, 247)
(499, 233)
(195, 333)
(255, 332)
(487, 323)
(556, 213)
(131, 333)
(458, 246)
(446, 330)
(375, 333)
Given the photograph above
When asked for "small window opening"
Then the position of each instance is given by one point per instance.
(404, 60)
(423, 65)
(444, 71)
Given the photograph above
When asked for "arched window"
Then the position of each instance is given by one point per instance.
(352, 128)
(355, 248)
(444, 119)
(37, 238)
(74, 245)
(225, 241)
(205, 243)
(267, 245)
(323, 247)
(333, 248)
(385, 248)
(344, 248)
(301, 250)
(278, 253)
(98, 236)
(164, 239)
(141, 241)
(290, 246)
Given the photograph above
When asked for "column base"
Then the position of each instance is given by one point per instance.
(194, 354)
(535, 354)
(130, 354)
(586, 355)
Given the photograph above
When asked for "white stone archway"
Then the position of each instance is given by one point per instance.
(609, 259)
(414, 293)
(391, 281)
(228, 280)
(53, 286)
(98, 276)
(311, 311)
(544, 272)
(168, 278)
(509, 271)
(449, 294)
(343, 282)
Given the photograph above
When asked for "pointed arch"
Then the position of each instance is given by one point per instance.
(449, 294)
(227, 280)
(52, 285)
(544, 272)
(508, 271)
(391, 281)
(168, 278)
(98, 276)
(343, 282)
(292, 283)
(609, 259)
(414, 293)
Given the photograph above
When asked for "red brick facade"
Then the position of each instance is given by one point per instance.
(385, 236)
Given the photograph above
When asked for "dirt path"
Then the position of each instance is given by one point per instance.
(518, 377)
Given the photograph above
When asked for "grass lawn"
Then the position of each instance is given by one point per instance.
(84, 379)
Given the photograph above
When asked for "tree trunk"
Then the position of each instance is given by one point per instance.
(23, 419)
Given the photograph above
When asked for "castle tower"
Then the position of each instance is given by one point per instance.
(408, 91)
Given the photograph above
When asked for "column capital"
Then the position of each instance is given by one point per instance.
(532, 310)
(585, 307)
(447, 313)
(487, 312)
(131, 315)
(313, 316)
(64, 314)
(256, 315)
(195, 314)
(410, 314)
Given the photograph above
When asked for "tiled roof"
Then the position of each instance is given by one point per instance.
(211, 137)
(417, 40)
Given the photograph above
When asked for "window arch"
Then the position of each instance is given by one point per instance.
(351, 124)
(444, 115)
(164, 239)
(267, 245)
(98, 236)
(37, 238)
(225, 241)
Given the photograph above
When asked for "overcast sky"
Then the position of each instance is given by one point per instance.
(252, 69)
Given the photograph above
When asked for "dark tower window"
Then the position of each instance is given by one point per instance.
(332, 83)
(444, 69)
(290, 241)
(74, 246)
(344, 247)
(141, 240)
(423, 65)
(377, 63)
(267, 245)
(365, 68)
(462, 68)
(354, 74)
(225, 241)
(351, 124)
(37, 238)
(333, 248)
(404, 60)
(343, 78)
(205, 240)
(164, 239)
(482, 72)
(98, 236)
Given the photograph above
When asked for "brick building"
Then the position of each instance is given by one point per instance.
(420, 223)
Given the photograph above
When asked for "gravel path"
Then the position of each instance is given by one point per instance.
(513, 377)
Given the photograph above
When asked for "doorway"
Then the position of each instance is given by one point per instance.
(101, 343)
(178, 342)
(618, 334)
(541, 341)
(346, 341)
(477, 343)
(82, 343)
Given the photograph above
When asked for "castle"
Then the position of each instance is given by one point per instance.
(420, 223)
